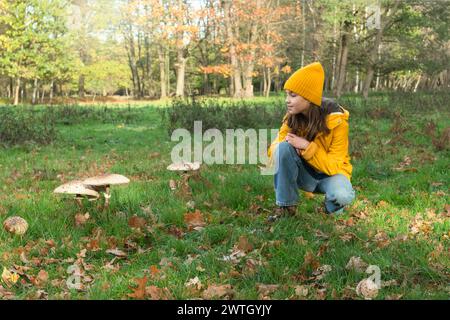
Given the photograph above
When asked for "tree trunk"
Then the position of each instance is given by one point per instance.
(162, 72)
(371, 64)
(81, 86)
(236, 73)
(51, 91)
(17, 91)
(343, 58)
(35, 89)
(180, 67)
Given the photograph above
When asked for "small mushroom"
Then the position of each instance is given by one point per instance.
(184, 166)
(367, 289)
(78, 189)
(16, 225)
(102, 183)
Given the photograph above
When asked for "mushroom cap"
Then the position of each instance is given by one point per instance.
(184, 166)
(16, 225)
(78, 188)
(367, 288)
(106, 180)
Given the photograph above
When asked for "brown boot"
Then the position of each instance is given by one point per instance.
(279, 212)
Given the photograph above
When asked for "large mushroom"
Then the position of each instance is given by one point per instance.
(103, 183)
(78, 189)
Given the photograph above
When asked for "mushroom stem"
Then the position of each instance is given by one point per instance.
(107, 196)
(79, 202)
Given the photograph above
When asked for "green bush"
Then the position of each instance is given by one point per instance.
(18, 126)
(223, 114)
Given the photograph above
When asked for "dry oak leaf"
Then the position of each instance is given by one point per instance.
(194, 283)
(41, 278)
(244, 245)
(218, 291)
(194, 220)
(356, 264)
(9, 278)
(137, 222)
(156, 293)
(266, 289)
(117, 252)
(81, 219)
(301, 291)
(139, 291)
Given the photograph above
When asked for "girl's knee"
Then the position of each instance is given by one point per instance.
(344, 196)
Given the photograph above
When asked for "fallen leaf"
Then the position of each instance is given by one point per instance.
(301, 291)
(81, 219)
(194, 283)
(117, 252)
(218, 291)
(244, 245)
(265, 290)
(93, 245)
(9, 278)
(356, 264)
(137, 222)
(156, 293)
(310, 261)
(172, 184)
(41, 278)
(194, 219)
(322, 271)
(139, 291)
(5, 295)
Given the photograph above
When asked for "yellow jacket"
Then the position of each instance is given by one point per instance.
(327, 153)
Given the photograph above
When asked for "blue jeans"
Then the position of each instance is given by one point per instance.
(293, 172)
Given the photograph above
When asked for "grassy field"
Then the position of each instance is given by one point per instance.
(398, 222)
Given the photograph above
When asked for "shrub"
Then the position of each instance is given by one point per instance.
(223, 114)
(18, 126)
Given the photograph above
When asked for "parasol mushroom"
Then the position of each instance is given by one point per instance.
(184, 166)
(15, 225)
(102, 183)
(77, 188)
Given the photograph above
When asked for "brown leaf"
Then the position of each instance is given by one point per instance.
(194, 219)
(218, 291)
(310, 261)
(156, 293)
(347, 236)
(137, 222)
(93, 245)
(172, 184)
(117, 252)
(301, 291)
(244, 245)
(41, 278)
(265, 290)
(139, 291)
(357, 264)
(81, 219)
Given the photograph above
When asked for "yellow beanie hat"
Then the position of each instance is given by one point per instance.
(308, 82)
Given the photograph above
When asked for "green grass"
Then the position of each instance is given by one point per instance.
(236, 200)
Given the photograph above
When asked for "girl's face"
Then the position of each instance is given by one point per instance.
(296, 104)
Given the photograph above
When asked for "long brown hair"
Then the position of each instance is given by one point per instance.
(310, 125)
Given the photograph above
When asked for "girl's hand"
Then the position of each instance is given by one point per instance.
(296, 141)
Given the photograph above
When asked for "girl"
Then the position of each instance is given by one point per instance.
(311, 149)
